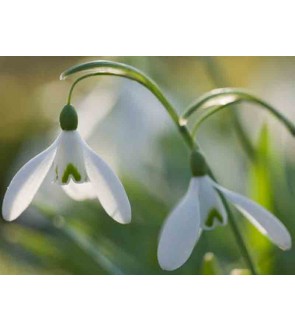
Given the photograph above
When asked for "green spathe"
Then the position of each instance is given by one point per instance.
(68, 118)
(198, 164)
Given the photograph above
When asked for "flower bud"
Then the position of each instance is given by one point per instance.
(68, 118)
(198, 164)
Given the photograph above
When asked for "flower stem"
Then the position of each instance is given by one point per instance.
(241, 95)
(237, 233)
(239, 238)
(122, 70)
(212, 111)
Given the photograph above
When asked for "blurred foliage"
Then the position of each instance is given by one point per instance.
(78, 237)
(210, 265)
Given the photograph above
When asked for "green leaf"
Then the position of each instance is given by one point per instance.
(261, 190)
(260, 177)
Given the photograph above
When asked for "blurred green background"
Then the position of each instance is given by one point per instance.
(127, 126)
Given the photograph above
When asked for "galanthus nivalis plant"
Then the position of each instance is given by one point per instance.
(71, 163)
(202, 209)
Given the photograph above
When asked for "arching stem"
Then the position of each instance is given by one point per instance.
(149, 84)
(243, 95)
(211, 112)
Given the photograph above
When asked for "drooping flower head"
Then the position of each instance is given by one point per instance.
(72, 164)
(202, 209)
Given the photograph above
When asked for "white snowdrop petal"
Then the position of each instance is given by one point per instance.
(79, 191)
(262, 219)
(107, 186)
(26, 183)
(210, 204)
(181, 231)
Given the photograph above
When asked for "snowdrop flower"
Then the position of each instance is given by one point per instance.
(202, 209)
(71, 163)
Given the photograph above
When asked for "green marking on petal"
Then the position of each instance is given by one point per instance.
(211, 216)
(71, 170)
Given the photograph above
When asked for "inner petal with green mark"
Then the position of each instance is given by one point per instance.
(69, 160)
(213, 219)
(71, 171)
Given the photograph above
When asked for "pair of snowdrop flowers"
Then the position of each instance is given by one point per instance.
(82, 174)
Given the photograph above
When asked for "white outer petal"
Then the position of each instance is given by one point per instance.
(262, 219)
(181, 230)
(26, 183)
(107, 186)
(209, 199)
(79, 191)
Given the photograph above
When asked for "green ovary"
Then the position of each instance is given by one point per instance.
(71, 170)
(211, 216)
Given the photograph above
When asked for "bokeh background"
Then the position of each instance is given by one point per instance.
(129, 128)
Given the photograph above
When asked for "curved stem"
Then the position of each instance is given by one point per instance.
(122, 70)
(211, 112)
(245, 96)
